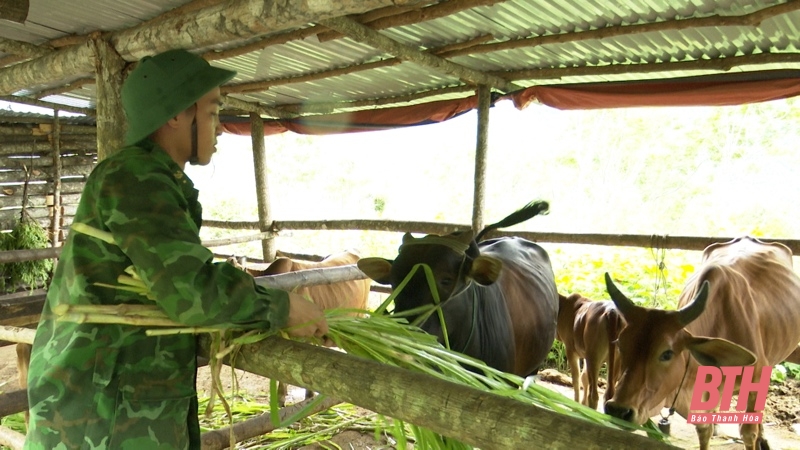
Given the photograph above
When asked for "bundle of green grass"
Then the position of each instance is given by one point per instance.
(26, 235)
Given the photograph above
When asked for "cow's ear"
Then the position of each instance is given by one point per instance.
(376, 268)
(719, 352)
(485, 269)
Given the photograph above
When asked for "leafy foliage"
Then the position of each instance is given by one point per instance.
(783, 371)
(26, 235)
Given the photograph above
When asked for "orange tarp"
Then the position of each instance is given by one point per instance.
(709, 90)
(371, 120)
(689, 92)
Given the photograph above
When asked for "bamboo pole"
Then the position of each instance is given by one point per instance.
(262, 185)
(311, 277)
(258, 426)
(481, 157)
(474, 417)
(17, 334)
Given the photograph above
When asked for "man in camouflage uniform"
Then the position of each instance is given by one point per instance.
(110, 386)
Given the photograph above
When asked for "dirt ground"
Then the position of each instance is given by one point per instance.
(782, 410)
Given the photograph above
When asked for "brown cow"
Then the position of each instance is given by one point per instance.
(588, 330)
(741, 307)
(346, 294)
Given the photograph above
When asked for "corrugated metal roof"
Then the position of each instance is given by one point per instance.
(504, 21)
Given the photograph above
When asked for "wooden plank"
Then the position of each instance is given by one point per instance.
(21, 309)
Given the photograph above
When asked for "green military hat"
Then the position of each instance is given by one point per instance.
(162, 86)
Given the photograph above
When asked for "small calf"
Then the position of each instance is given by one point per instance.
(588, 330)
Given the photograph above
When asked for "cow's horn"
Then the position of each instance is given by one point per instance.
(408, 238)
(696, 307)
(623, 303)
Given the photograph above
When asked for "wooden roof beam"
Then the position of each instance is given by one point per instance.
(77, 84)
(256, 86)
(329, 107)
(223, 22)
(721, 64)
(20, 48)
(366, 35)
(282, 38)
(416, 15)
(261, 110)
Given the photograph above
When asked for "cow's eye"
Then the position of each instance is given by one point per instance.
(666, 356)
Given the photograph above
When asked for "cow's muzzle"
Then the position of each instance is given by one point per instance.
(619, 411)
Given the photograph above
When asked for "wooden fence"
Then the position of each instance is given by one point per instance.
(44, 162)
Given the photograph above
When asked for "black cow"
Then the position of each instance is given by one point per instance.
(498, 296)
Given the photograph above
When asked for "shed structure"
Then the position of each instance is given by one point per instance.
(332, 66)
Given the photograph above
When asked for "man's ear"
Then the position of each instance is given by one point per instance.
(376, 268)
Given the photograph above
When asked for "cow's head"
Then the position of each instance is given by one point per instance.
(654, 347)
(454, 260)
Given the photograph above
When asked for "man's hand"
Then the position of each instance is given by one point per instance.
(306, 318)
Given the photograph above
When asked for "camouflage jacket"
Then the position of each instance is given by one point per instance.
(96, 386)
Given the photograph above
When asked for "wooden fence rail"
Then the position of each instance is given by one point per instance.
(616, 240)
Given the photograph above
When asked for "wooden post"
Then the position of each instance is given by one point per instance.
(474, 417)
(56, 223)
(13, 402)
(481, 150)
(110, 116)
(262, 187)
